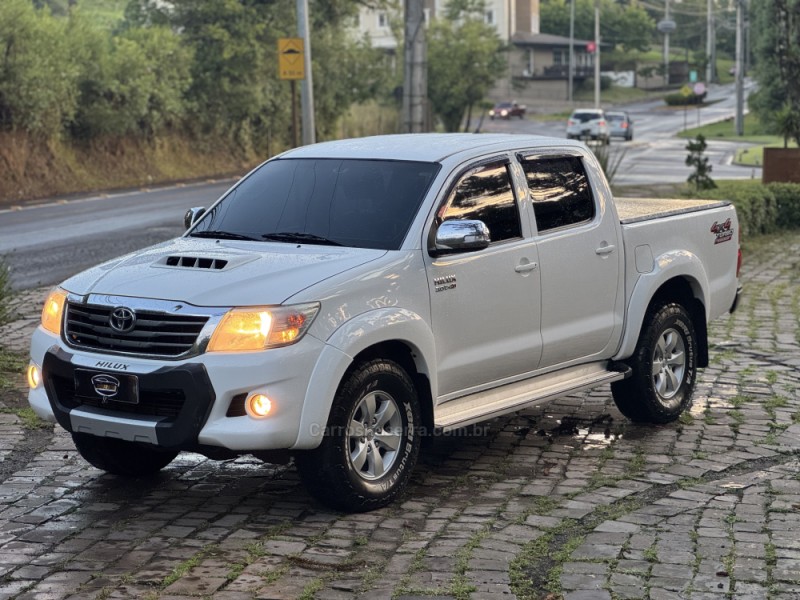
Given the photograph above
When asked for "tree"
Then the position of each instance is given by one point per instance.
(776, 29)
(38, 76)
(630, 27)
(700, 178)
(133, 83)
(465, 58)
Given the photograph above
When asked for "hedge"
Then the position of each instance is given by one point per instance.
(761, 208)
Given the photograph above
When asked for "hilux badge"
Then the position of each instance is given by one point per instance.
(106, 386)
(122, 319)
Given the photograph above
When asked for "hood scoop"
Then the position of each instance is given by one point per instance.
(203, 263)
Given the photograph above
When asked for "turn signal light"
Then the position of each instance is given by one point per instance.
(258, 406)
(53, 311)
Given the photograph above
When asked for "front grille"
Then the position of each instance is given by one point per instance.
(152, 403)
(155, 333)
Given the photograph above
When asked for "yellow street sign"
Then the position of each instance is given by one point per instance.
(291, 55)
(686, 91)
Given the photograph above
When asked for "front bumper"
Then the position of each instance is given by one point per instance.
(183, 404)
(173, 406)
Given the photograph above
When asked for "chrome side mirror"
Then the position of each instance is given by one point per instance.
(193, 215)
(461, 236)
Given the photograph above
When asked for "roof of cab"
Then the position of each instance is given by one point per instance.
(425, 147)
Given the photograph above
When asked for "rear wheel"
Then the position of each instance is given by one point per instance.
(664, 367)
(372, 441)
(119, 457)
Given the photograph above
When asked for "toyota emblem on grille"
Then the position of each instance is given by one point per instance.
(122, 319)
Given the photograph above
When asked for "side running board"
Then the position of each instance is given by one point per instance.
(520, 394)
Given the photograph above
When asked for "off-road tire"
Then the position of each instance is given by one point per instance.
(664, 367)
(118, 457)
(334, 472)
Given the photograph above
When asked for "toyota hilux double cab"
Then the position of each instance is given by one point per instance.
(345, 300)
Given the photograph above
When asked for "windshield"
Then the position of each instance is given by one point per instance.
(584, 117)
(357, 203)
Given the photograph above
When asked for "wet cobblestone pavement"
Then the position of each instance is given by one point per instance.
(566, 500)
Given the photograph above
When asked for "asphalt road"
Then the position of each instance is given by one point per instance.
(47, 242)
(655, 156)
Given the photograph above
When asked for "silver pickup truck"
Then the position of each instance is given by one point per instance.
(347, 299)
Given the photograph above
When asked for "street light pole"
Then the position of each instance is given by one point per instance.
(739, 67)
(307, 85)
(596, 53)
(709, 42)
(571, 46)
(666, 45)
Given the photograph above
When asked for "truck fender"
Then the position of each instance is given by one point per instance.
(678, 264)
(349, 340)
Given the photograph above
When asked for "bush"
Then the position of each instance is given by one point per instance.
(5, 293)
(755, 204)
(679, 99)
(787, 196)
(605, 83)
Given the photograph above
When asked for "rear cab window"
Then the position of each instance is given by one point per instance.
(560, 191)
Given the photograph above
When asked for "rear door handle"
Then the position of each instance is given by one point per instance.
(605, 249)
(525, 267)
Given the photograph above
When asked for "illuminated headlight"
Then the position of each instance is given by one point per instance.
(34, 376)
(503, 113)
(53, 311)
(258, 328)
(491, 113)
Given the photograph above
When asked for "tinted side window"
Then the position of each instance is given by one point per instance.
(560, 191)
(486, 195)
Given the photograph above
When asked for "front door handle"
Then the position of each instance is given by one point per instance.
(608, 249)
(525, 267)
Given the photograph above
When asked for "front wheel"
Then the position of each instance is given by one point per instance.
(119, 457)
(664, 367)
(372, 441)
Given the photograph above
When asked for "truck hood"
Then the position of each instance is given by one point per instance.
(206, 272)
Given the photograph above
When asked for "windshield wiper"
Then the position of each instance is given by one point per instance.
(300, 238)
(222, 235)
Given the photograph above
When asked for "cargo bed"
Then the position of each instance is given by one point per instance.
(634, 210)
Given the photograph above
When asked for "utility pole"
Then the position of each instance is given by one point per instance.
(415, 81)
(709, 43)
(307, 85)
(740, 67)
(571, 47)
(597, 53)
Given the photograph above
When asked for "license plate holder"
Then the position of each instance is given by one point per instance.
(107, 387)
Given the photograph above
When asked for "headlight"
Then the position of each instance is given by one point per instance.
(258, 328)
(53, 311)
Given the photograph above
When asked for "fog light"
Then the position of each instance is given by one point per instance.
(34, 376)
(258, 406)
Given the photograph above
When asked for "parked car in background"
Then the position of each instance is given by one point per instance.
(620, 125)
(588, 124)
(506, 110)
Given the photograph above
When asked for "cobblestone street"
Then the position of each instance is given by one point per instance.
(569, 499)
